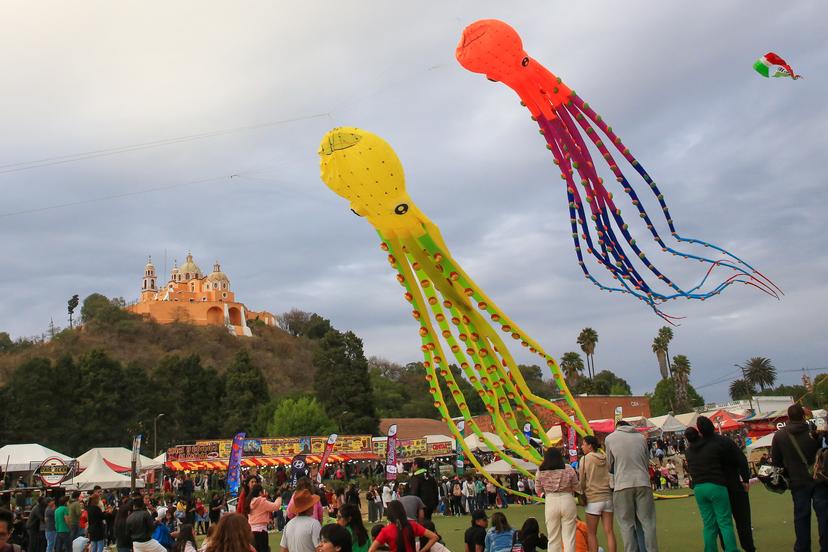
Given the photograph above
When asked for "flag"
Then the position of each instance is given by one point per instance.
(460, 463)
(771, 65)
(234, 464)
(328, 450)
(571, 442)
(298, 468)
(391, 453)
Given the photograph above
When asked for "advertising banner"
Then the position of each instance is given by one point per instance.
(234, 465)
(571, 442)
(345, 444)
(391, 453)
(204, 450)
(52, 471)
(298, 468)
(329, 446)
(459, 462)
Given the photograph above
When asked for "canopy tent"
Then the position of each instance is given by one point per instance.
(437, 438)
(119, 459)
(555, 434)
(640, 423)
(688, 418)
(26, 457)
(501, 467)
(98, 472)
(667, 423)
(475, 443)
(725, 421)
(762, 442)
(605, 425)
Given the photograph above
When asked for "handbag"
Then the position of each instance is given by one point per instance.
(517, 545)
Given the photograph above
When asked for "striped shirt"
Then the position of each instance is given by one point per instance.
(556, 481)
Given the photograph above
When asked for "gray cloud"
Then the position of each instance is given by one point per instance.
(739, 159)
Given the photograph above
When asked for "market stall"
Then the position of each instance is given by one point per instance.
(98, 472)
(26, 457)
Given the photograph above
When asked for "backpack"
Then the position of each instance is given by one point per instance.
(821, 465)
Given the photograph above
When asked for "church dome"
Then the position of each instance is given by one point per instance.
(189, 269)
(217, 275)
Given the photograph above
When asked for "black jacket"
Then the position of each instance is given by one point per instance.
(425, 486)
(736, 468)
(706, 460)
(783, 453)
(140, 526)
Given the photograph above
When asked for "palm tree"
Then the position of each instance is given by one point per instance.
(572, 366)
(741, 389)
(660, 350)
(681, 376)
(666, 335)
(588, 339)
(760, 371)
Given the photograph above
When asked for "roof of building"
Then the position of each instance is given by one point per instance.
(414, 428)
(189, 266)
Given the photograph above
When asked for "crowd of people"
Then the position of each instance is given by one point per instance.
(613, 480)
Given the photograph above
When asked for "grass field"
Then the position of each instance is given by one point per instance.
(679, 524)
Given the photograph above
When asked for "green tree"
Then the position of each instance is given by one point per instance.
(741, 389)
(572, 366)
(604, 383)
(6, 343)
(300, 323)
(72, 304)
(245, 392)
(760, 371)
(665, 333)
(588, 339)
(681, 375)
(390, 394)
(300, 416)
(533, 375)
(660, 350)
(104, 311)
(663, 399)
(342, 384)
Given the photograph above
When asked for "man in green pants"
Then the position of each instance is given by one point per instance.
(705, 459)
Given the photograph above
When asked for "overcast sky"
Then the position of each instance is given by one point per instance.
(738, 157)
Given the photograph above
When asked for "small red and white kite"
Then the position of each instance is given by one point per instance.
(771, 65)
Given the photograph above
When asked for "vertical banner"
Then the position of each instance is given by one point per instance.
(459, 463)
(298, 468)
(234, 465)
(134, 466)
(571, 442)
(619, 413)
(391, 454)
(329, 445)
(527, 430)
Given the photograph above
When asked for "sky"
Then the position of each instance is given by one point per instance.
(148, 128)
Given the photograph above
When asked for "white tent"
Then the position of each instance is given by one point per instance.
(156, 463)
(436, 438)
(501, 467)
(99, 473)
(667, 423)
(117, 458)
(554, 433)
(688, 418)
(27, 457)
(762, 441)
(476, 443)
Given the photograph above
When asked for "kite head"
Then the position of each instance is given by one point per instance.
(362, 168)
(494, 48)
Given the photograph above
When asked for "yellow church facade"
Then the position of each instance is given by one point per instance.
(189, 296)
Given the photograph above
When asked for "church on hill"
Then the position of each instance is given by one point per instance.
(190, 296)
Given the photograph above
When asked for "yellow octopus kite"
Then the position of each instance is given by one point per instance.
(362, 168)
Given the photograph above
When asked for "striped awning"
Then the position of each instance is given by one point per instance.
(255, 461)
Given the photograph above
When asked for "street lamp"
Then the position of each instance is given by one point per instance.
(155, 436)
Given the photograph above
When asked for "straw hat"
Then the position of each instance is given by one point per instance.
(302, 500)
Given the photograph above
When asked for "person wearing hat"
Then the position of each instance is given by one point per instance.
(301, 534)
(475, 537)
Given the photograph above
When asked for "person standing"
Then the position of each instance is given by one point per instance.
(140, 527)
(556, 481)
(36, 526)
(122, 541)
(737, 479)
(413, 505)
(423, 485)
(232, 534)
(705, 459)
(469, 494)
(794, 448)
(301, 534)
(75, 512)
(216, 506)
(49, 520)
(96, 531)
(386, 495)
(594, 474)
(259, 513)
(63, 529)
(632, 497)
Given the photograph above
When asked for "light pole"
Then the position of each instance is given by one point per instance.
(155, 436)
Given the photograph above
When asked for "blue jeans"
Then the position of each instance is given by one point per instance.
(51, 537)
(97, 546)
(816, 493)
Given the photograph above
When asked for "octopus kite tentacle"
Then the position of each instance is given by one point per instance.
(494, 48)
(447, 304)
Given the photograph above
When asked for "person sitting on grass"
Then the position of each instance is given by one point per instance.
(351, 519)
(437, 546)
(500, 536)
(375, 531)
(185, 541)
(530, 536)
(400, 534)
(334, 538)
